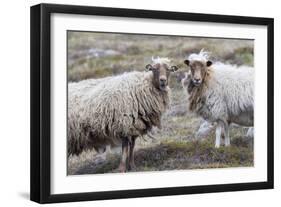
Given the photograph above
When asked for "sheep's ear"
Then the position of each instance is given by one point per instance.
(174, 68)
(209, 63)
(186, 62)
(148, 67)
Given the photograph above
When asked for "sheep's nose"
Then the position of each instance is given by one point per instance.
(163, 80)
(197, 79)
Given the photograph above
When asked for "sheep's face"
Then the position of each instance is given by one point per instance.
(161, 73)
(198, 70)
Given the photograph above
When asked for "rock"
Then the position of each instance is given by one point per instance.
(90, 53)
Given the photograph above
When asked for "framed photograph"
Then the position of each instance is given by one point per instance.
(132, 103)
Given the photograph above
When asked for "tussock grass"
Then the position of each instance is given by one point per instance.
(175, 155)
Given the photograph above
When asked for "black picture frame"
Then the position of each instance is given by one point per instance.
(41, 99)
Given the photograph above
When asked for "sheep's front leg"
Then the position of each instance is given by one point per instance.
(125, 148)
(226, 134)
(218, 135)
(132, 165)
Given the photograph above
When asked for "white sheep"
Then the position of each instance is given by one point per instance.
(220, 93)
(118, 109)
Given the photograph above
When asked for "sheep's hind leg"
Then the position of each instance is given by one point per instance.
(125, 148)
(132, 165)
(226, 134)
(218, 135)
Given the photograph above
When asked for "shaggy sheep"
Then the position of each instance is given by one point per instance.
(118, 110)
(220, 93)
(206, 127)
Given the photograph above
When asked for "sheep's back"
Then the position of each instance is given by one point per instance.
(236, 85)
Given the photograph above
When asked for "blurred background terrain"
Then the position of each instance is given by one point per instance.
(96, 55)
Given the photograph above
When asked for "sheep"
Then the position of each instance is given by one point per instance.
(206, 127)
(220, 93)
(118, 110)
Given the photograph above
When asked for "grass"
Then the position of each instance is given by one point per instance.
(133, 52)
(175, 155)
(97, 55)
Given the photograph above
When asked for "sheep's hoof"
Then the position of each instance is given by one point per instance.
(122, 168)
(132, 167)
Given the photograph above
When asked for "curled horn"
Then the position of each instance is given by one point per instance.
(148, 67)
(173, 68)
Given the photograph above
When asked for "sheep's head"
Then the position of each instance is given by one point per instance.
(198, 64)
(161, 70)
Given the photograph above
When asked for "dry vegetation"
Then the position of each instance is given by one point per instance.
(96, 55)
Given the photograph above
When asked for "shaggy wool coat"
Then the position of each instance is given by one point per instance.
(102, 112)
(227, 93)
